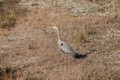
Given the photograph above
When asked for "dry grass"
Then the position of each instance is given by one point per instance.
(10, 11)
(32, 46)
(7, 73)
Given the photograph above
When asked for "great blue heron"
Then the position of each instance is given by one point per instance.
(65, 47)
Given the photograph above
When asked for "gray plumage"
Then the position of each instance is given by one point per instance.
(64, 46)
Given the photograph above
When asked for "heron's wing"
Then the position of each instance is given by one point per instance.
(62, 51)
(66, 48)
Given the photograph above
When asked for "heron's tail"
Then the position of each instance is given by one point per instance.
(79, 56)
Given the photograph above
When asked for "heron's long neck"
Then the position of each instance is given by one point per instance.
(58, 35)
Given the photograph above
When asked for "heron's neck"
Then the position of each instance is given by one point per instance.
(58, 35)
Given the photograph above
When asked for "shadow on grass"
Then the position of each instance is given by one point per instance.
(82, 56)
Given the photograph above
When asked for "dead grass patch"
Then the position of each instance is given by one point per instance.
(41, 58)
(9, 12)
(8, 73)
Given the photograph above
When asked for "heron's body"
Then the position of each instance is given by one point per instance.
(65, 47)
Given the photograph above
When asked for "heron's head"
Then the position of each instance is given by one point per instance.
(55, 28)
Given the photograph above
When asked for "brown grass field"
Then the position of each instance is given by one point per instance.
(28, 45)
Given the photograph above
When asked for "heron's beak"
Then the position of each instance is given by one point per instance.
(52, 29)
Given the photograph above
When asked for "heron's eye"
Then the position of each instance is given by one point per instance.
(61, 44)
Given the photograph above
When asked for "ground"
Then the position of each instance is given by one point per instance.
(30, 48)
